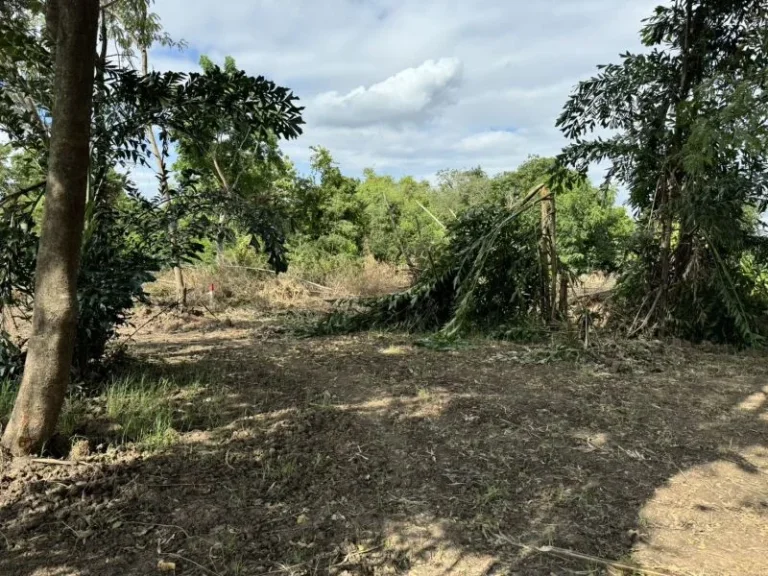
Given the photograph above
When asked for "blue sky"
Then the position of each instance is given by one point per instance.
(413, 86)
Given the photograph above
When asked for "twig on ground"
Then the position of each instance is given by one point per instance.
(209, 311)
(184, 559)
(562, 552)
(163, 310)
(155, 524)
(346, 559)
(55, 462)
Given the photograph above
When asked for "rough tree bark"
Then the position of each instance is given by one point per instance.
(49, 355)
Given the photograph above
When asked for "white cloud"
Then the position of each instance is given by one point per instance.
(493, 141)
(410, 96)
(381, 79)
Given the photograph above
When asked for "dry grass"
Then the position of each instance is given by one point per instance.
(595, 283)
(243, 286)
(373, 278)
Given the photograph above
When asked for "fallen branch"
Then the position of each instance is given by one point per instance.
(435, 218)
(346, 559)
(644, 324)
(54, 462)
(155, 525)
(163, 310)
(562, 552)
(184, 559)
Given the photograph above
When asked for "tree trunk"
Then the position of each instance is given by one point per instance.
(49, 355)
(665, 253)
(220, 240)
(563, 296)
(548, 255)
(181, 288)
(222, 217)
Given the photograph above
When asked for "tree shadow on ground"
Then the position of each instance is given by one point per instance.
(368, 456)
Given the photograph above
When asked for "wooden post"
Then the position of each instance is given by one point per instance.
(548, 255)
(544, 257)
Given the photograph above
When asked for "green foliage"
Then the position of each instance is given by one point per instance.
(11, 358)
(127, 237)
(511, 187)
(17, 261)
(319, 260)
(17, 257)
(592, 232)
(690, 143)
(462, 189)
(328, 218)
(73, 415)
(116, 261)
(402, 226)
(230, 140)
(8, 390)
(487, 274)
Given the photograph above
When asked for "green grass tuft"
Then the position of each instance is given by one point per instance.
(73, 416)
(142, 409)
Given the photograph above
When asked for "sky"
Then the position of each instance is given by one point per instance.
(410, 87)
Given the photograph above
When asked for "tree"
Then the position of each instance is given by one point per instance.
(461, 189)
(144, 30)
(592, 232)
(234, 150)
(688, 139)
(51, 345)
(401, 219)
(328, 218)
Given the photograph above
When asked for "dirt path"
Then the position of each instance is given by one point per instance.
(369, 455)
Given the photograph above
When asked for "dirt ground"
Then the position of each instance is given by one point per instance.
(371, 455)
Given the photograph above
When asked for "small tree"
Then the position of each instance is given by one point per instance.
(328, 218)
(230, 141)
(401, 216)
(688, 138)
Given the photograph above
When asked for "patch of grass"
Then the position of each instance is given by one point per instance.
(73, 415)
(151, 407)
(142, 409)
(7, 397)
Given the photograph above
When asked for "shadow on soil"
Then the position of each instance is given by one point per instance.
(360, 456)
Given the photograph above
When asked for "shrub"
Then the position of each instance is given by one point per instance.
(486, 277)
(116, 262)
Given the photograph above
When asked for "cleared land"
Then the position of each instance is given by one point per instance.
(371, 455)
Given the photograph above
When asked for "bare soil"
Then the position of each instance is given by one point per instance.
(371, 455)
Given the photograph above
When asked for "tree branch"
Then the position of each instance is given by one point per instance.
(21, 192)
(109, 4)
